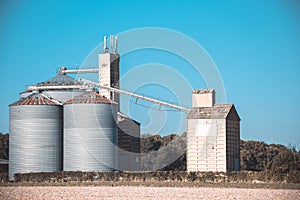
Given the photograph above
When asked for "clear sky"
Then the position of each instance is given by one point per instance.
(255, 45)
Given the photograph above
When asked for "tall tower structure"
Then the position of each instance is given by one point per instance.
(128, 129)
(213, 134)
(109, 69)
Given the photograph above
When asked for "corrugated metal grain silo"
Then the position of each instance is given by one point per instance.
(36, 133)
(90, 133)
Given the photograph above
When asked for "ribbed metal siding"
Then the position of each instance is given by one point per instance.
(90, 137)
(35, 140)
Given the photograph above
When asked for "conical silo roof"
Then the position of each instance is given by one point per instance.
(90, 97)
(58, 80)
(35, 99)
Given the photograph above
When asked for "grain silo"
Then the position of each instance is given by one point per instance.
(36, 133)
(90, 133)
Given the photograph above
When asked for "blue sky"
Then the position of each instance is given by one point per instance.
(255, 45)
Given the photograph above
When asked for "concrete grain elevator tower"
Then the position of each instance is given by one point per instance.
(128, 129)
(213, 134)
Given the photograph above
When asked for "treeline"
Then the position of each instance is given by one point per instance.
(255, 156)
(163, 153)
(4, 146)
(275, 158)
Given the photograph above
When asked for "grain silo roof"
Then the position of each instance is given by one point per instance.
(218, 111)
(35, 99)
(59, 80)
(90, 97)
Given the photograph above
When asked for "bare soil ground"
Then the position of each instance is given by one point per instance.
(144, 193)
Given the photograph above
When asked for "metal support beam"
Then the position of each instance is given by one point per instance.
(135, 95)
(77, 71)
(35, 88)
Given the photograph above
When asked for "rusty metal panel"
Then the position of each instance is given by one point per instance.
(35, 99)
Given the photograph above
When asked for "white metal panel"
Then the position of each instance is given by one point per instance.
(206, 130)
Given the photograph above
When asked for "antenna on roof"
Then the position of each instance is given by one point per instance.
(105, 45)
(112, 43)
(116, 43)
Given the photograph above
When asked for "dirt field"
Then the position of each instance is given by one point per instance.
(144, 193)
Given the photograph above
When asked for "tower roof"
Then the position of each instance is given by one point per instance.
(218, 111)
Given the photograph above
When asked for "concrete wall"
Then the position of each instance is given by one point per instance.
(109, 74)
(104, 75)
